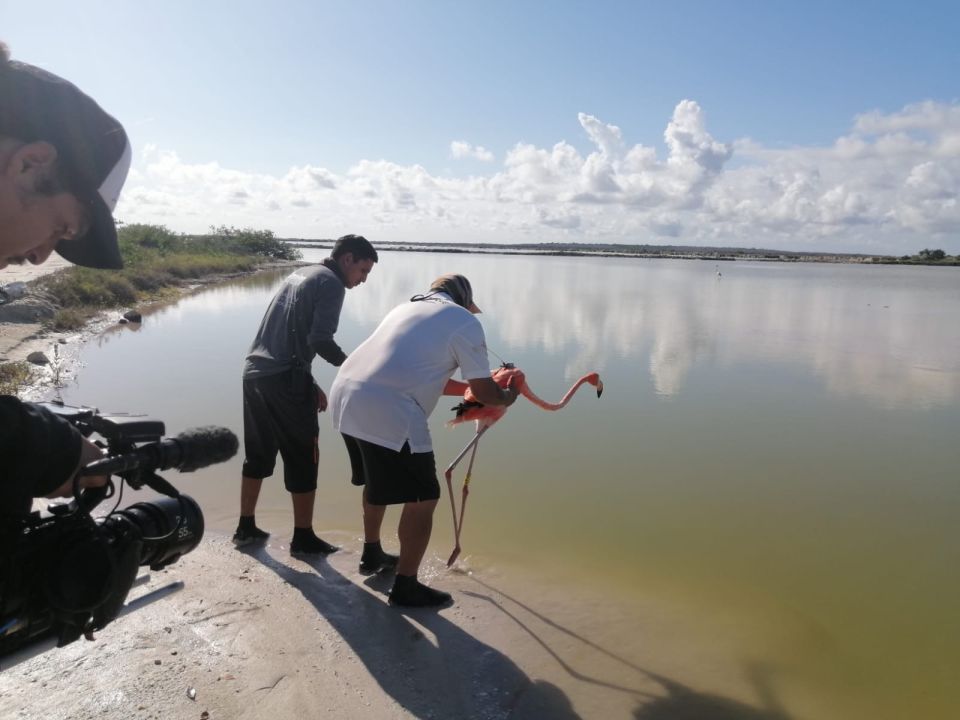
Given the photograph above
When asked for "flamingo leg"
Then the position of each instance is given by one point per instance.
(453, 511)
(466, 448)
(448, 473)
(466, 490)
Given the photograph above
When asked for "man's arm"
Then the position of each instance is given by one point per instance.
(329, 351)
(326, 318)
(88, 453)
(455, 387)
(40, 453)
(488, 392)
(38, 450)
(469, 347)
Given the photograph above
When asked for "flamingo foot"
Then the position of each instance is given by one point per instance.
(453, 556)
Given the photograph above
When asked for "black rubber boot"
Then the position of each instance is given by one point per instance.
(248, 532)
(410, 592)
(305, 542)
(374, 560)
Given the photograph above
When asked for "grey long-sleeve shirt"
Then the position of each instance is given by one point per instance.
(299, 323)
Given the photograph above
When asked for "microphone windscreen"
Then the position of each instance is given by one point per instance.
(205, 446)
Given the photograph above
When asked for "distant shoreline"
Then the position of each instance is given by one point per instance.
(666, 252)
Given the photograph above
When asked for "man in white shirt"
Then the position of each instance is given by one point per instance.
(380, 401)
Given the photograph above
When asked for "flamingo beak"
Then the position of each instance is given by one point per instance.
(599, 388)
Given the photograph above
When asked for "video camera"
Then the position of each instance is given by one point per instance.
(66, 573)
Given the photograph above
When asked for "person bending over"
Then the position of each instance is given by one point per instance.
(381, 399)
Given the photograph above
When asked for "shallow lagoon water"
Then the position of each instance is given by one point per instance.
(774, 460)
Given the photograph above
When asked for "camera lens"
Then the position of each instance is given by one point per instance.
(170, 527)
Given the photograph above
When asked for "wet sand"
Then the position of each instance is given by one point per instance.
(260, 634)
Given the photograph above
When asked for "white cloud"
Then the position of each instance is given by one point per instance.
(928, 116)
(461, 149)
(566, 221)
(307, 178)
(691, 147)
(887, 186)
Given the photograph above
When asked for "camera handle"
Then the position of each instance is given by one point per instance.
(83, 501)
(130, 468)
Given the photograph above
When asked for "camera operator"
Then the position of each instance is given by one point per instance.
(41, 453)
(63, 161)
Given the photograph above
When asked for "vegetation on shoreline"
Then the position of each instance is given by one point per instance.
(14, 376)
(157, 260)
(926, 257)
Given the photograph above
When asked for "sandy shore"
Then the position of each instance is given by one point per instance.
(260, 634)
(263, 635)
(27, 272)
(17, 340)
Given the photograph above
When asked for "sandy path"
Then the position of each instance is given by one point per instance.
(17, 340)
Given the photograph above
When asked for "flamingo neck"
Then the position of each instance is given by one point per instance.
(532, 396)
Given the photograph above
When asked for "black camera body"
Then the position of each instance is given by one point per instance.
(67, 573)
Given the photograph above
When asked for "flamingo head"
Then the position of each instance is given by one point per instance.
(594, 379)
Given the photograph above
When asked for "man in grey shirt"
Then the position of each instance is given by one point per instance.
(281, 399)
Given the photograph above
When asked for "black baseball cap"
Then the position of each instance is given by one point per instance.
(93, 150)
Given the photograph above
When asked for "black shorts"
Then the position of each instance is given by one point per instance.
(392, 477)
(280, 415)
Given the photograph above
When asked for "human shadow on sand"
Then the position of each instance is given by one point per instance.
(451, 675)
(672, 700)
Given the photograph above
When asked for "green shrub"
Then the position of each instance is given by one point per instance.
(190, 267)
(248, 241)
(79, 286)
(69, 318)
(156, 258)
(140, 243)
(149, 279)
(14, 377)
(120, 290)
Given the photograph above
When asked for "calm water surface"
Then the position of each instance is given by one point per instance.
(776, 454)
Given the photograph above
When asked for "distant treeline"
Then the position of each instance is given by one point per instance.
(924, 257)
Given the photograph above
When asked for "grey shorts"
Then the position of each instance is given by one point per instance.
(392, 477)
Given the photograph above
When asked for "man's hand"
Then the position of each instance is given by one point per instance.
(321, 399)
(88, 453)
(511, 393)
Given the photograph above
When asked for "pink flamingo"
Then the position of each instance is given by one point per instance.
(485, 416)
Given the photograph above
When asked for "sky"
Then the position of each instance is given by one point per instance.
(813, 126)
